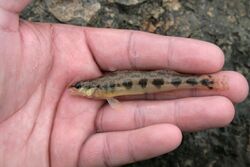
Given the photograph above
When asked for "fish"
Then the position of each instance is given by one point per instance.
(124, 83)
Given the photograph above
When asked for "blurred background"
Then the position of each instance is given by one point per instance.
(223, 22)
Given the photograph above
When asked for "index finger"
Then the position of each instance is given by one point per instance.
(124, 49)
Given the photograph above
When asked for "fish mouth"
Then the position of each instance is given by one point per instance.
(71, 86)
(74, 91)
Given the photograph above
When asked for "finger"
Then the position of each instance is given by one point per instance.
(73, 123)
(117, 148)
(13, 5)
(189, 114)
(122, 49)
(9, 19)
(236, 91)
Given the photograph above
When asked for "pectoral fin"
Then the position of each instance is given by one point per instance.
(115, 104)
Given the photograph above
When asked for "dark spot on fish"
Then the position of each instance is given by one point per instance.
(143, 82)
(127, 84)
(98, 86)
(207, 83)
(176, 81)
(158, 82)
(192, 81)
(105, 86)
(112, 85)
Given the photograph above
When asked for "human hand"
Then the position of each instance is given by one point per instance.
(41, 124)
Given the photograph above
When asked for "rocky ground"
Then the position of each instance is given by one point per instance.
(223, 22)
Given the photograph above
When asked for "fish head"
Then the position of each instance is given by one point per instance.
(83, 89)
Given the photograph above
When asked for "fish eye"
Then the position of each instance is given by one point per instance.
(78, 85)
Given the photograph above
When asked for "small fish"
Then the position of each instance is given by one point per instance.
(121, 83)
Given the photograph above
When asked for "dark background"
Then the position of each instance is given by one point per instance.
(223, 22)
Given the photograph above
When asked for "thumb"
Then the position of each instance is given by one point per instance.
(13, 6)
(9, 9)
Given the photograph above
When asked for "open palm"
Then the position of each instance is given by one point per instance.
(41, 124)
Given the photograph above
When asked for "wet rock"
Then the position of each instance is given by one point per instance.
(77, 11)
(173, 5)
(127, 2)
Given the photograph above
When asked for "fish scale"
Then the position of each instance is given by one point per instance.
(123, 83)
